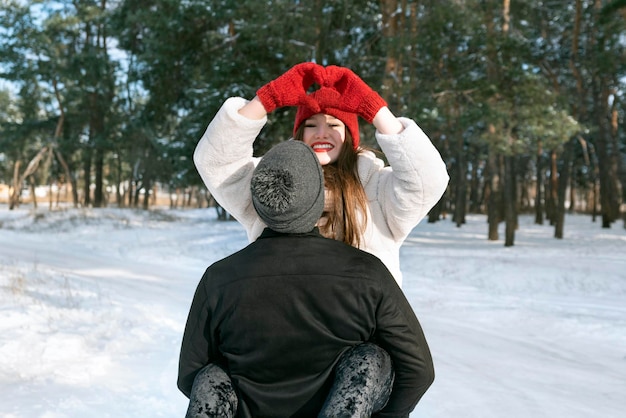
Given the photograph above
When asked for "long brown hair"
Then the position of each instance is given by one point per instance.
(348, 217)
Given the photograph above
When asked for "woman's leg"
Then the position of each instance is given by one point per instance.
(362, 385)
(212, 395)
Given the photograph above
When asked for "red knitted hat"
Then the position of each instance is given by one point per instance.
(322, 101)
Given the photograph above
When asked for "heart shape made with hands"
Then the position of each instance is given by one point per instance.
(339, 88)
(332, 81)
(344, 90)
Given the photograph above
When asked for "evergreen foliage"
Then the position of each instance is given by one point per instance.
(122, 90)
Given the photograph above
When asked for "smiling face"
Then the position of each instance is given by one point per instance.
(326, 135)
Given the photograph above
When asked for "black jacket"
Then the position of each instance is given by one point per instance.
(279, 313)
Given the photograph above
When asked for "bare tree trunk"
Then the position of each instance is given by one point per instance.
(607, 157)
(58, 197)
(96, 133)
(509, 197)
(16, 192)
(189, 196)
(572, 193)
(99, 200)
(392, 61)
(146, 196)
(562, 187)
(539, 185)
(574, 63)
(620, 167)
(18, 180)
(132, 187)
(57, 134)
(609, 189)
(551, 196)
(87, 176)
(460, 201)
(135, 203)
(100, 102)
(173, 198)
(33, 190)
(495, 198)
(119, 199)
(475, 198)
(593, 160)
(70, 177)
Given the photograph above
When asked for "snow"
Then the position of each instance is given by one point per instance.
(93, 304)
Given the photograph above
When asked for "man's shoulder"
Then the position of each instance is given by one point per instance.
(319, 255)
(361, 262)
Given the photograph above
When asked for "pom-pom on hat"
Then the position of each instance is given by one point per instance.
(287, 188)
(322, 101)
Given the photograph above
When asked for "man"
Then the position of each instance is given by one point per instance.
(296, 324)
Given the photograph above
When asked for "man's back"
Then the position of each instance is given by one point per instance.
(284, 309)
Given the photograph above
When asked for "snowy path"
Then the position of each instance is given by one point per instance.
(538, 330)
(93, 305)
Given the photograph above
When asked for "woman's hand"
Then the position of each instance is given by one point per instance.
(290, 89)
(355, 95)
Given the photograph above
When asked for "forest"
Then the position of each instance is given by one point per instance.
(103, 101)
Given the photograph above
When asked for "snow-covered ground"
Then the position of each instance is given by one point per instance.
(93, 304)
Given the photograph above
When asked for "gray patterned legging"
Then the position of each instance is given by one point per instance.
(362, 385)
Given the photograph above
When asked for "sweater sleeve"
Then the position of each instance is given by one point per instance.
(197, 343)
(416, 181)
(399, 332)
(224, 159)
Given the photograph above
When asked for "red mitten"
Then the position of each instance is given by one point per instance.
(356, 96)
(290, 89)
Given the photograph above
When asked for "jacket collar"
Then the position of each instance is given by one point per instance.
(270, 233)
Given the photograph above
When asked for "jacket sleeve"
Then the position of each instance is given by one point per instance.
(224, 159)
(399, 332)
(416, 181)
(197, 343)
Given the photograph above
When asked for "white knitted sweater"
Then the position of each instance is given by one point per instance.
(399, 195)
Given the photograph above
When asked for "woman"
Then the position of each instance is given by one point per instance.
(368, 205)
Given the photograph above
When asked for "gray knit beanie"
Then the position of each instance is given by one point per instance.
(288, 188)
